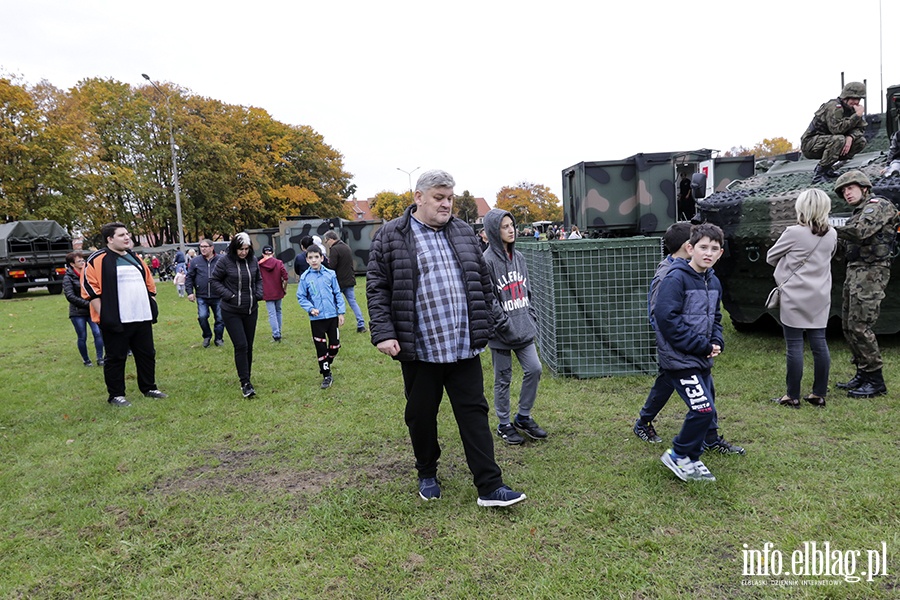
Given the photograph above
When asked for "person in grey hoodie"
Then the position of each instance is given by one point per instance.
(516, 328)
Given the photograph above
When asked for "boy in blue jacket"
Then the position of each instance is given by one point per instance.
(688, 337)
(320, 296)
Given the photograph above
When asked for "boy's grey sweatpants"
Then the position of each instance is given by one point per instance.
(531, 368)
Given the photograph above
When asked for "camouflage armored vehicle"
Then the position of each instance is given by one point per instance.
(32, 254)
(755, 210)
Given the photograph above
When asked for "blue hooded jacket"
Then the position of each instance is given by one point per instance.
(688, 319)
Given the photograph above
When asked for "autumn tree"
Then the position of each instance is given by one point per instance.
(529, 202)
(766, 148)
(390, 205)
(465, 208)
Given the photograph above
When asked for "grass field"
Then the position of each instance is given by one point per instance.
(305, 493)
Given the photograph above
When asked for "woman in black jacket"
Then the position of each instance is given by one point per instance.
(237, 281)
(80, 309)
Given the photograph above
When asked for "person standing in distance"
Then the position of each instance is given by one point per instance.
(340, 257)
(275, 280)
(199, 289)
(120, 288)
(869, 236)
(429, 294)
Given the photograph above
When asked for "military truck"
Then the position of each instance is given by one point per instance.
(32, 254)
(755, 210)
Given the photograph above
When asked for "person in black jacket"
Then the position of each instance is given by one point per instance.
(199, 289)
(429, 294)
(80, 309)
(237, 282)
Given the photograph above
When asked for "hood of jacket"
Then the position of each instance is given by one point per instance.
(270, 264)
(492, 222)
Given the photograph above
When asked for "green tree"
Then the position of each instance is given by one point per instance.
(465, 208)
(529, 202)
(390, 205)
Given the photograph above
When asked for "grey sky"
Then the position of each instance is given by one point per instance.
(494, 92)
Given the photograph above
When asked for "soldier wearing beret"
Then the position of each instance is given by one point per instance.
(868, 238)
(836, 131)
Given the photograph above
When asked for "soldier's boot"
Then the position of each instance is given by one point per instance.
(822, 174)
(871, 387)
(856, 381)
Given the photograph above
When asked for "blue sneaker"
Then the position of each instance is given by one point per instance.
(429, 489)
(502, 496)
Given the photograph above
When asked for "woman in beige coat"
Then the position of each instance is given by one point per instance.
(802, 260)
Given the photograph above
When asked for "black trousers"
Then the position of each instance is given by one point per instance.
(424, 384)
(241, 330)
(327, 339)
(138, 337)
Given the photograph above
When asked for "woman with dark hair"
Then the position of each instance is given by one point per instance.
(80, 309)
(237, 282)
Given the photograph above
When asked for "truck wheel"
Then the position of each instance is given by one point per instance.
(54, 288)
(6, 289)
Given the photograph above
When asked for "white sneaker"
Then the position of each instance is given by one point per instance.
(682, 467)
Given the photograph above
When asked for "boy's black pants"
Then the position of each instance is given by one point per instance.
(696, 389)
(327, 338)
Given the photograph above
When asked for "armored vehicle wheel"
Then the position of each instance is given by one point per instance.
(54, 288)
(743, 327)
(6, 289)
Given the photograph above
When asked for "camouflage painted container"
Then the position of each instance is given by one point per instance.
(356, 234)
(755, 211)
(637, 195)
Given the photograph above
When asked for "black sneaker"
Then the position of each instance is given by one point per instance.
(646, 432)
(206, 342)
(361, 329)
(502, 496)
(509, 434)
(529, 427)
(429, 489)
(276, 339)
(119, 401)
(723, 447)
(247, 390)
(220, 342)
(101, 362)
(88, 363)
(327, 381)
(156, 394)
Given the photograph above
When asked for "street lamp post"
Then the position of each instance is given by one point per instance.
(174, 163)
(409, 176)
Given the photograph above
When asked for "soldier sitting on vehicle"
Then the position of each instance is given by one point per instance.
(893, 167)
(836, 131)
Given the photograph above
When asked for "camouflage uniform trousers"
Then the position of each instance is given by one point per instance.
(861, 305)
(828, 148)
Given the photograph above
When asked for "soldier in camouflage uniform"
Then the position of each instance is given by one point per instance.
(868, 237)
(836, 131)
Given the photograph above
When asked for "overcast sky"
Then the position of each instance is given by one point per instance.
(495, 92)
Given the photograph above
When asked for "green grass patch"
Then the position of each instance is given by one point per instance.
(309, 493)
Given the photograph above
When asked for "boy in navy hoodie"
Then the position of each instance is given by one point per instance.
(688, 337)
(515, 330)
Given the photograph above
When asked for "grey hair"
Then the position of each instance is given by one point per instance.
(330, 235)
(434, 178)
(813, 206)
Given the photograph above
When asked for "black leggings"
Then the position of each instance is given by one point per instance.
(241, 329)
